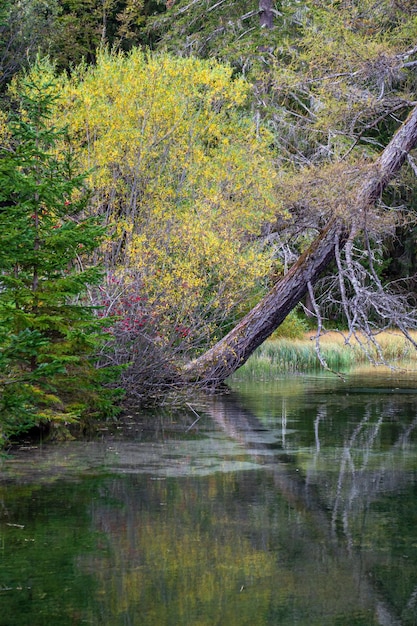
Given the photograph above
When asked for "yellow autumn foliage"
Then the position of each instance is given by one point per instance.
(4, 130)
(182, 174)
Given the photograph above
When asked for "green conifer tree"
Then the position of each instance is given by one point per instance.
(48, 333)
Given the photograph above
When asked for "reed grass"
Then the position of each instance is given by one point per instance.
(282, 356)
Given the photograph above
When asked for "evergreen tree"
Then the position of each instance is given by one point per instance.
(48, 334)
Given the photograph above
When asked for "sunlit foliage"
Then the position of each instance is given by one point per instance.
(332, 80)
(184, 179)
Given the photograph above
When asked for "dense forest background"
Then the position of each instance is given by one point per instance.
(163, 165)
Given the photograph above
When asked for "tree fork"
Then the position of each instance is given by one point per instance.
(266, 14)
(231, 352)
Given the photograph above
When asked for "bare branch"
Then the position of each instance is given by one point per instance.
(234, 349)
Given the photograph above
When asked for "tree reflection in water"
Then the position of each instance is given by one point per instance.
(289, 504)
(342, 486)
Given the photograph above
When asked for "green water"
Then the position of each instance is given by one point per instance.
(293, 502)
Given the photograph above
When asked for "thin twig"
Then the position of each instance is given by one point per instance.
(195, 413)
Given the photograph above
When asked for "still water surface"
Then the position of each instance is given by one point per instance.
(293, 502)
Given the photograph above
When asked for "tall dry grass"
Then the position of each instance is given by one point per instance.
(281, 356)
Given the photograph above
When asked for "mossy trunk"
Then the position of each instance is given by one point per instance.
(231, 352)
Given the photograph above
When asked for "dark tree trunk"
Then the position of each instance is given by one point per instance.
(231, 352)
(266, 15)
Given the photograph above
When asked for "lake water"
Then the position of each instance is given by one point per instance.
(293, 502)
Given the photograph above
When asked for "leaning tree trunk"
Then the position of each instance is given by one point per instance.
(231, 352)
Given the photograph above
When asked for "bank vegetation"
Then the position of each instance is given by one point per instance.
(178, 177)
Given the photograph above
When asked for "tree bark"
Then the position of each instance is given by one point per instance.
(266, 16)
(231, 352)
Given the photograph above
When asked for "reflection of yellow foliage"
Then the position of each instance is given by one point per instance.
(184, 177)
(199, 571)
